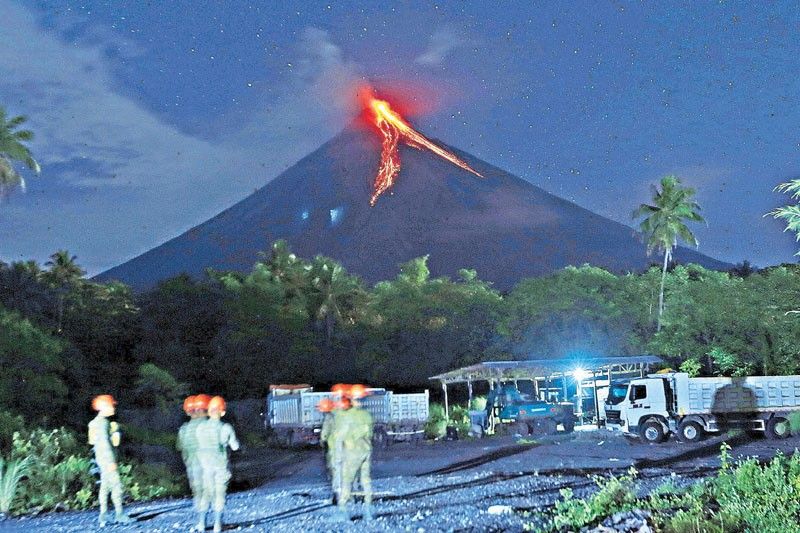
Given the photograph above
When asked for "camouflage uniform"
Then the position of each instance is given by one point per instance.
(352, 437)
(101, 433)
(330, 449)
(187, 445)
(214, 437)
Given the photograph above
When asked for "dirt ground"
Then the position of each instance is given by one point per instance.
(431, 486)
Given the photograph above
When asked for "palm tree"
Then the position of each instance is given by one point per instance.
(790, 213)
(664, 224)
(334, 295)
(62, 273)
(12, 149)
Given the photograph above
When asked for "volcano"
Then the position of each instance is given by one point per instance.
(500, 225)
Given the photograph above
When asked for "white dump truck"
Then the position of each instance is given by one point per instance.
(660, 404)
(292, 415)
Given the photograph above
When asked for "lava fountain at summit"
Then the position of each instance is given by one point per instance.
(394, 128)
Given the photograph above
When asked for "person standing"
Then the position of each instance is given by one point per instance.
(187, 444)
(104, 436)
(352, 438)
(214, 437)
(326, 407)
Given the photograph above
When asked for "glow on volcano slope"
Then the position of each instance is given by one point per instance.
(394, 129)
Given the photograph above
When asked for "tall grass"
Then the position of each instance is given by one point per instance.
(11, 472)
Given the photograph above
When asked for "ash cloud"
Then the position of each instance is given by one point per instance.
(441, 44)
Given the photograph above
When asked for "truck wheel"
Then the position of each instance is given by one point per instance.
(690, 431)
(521, 429)
(569, 425)
(380, 439)
(652, 432)
(778, 428)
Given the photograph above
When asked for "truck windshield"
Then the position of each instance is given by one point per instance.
(616, 393)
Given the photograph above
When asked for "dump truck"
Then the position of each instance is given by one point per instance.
(510, 411)
(291, 414)
(658, 405)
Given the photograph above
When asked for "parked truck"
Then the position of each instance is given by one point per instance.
(654, 407)
(510, 411)
(292, 416)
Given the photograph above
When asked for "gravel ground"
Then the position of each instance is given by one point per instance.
(443, 486)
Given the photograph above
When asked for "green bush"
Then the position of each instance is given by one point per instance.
(144, 481)
(60, 474)
(155, 387)
(11, 472)
(747, 496)
(614, 495)
(478, 403)
(436, 425)
(459, 417)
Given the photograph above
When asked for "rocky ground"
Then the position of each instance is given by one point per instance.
(494, 484)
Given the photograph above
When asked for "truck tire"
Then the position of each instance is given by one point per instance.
(691, 431)
(380, 439)
(652, 432)
(569, 425)
(778, 428)
(521, 429)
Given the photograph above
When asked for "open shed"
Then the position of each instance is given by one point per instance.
(544, 372)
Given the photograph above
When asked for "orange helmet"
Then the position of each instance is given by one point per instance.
(188, 405)
(103, 400)
(217, 403)
(201, 402)
(343, 403)
(340, 388)
(358, 391)
(325, 405)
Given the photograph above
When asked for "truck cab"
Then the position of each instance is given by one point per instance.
(508, 409)
(642, 407)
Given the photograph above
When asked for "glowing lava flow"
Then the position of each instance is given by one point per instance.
(394, 128)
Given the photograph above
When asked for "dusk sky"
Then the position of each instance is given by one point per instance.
(151, 117)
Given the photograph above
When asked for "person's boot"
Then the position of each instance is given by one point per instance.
(217, 521)
(102, 521)
(367, 513)
(122, 518)
(341, 515)
(201, 522)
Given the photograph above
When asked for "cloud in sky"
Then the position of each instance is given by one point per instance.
(442, 42)
(117, 179)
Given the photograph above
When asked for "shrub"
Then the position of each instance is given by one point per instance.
(60, 474)
(11, 472)
(614, 495)
(155, 387)
(459, 417)
(478, 403)
(436, 425)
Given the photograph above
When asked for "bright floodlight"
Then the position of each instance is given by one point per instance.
(580, 374)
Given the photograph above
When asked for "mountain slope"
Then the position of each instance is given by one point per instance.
(502, 226)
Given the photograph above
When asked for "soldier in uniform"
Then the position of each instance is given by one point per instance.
(194, 407)
(326, 407)
(104, 436)
(214, 437)
(352, 438)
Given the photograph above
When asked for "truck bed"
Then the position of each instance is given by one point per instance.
(740, 395)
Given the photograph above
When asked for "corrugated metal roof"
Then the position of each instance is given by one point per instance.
(541, 368)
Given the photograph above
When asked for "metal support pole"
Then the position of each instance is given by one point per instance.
(535, 388)
(564, 385)
(469, 390)
(446, 406)
(596, 402)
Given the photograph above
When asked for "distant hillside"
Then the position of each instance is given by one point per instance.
(502, 226)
